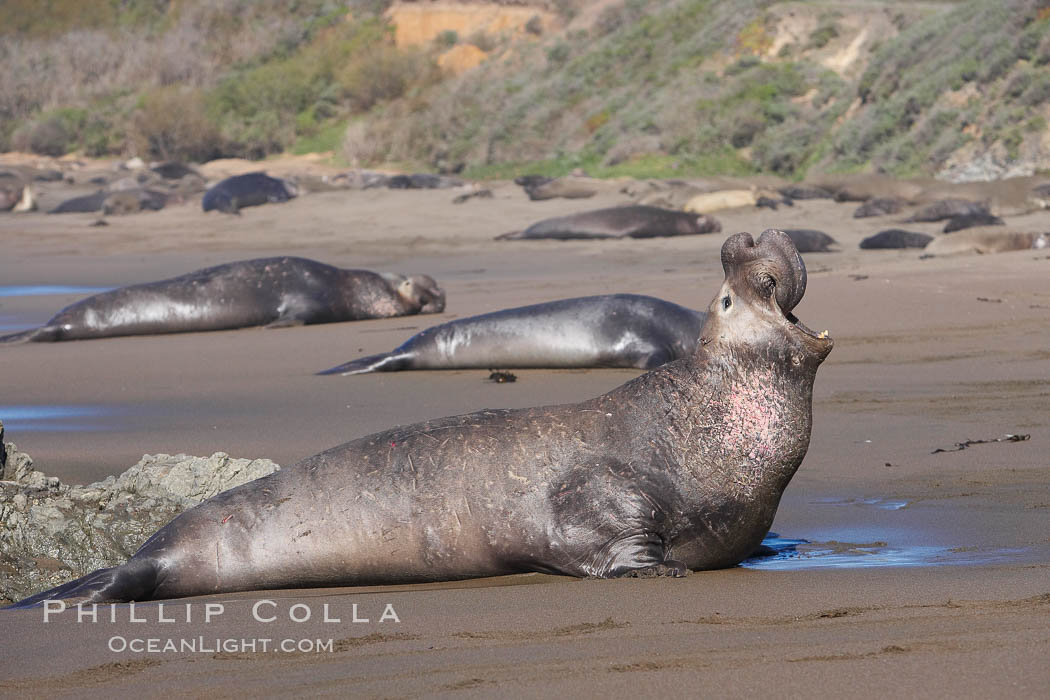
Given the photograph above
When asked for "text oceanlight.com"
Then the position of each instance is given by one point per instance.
(203, 645)
(172, 616)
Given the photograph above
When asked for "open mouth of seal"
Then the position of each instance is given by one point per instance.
(820, 341)
(794, 321)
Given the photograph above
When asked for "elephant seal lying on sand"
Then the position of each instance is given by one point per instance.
(986, 240)
(611, 330)
(895, 238)
(248, 190)
(634, 221)
(681, 468)
(271, 292)
(946, 209)
(808, 240)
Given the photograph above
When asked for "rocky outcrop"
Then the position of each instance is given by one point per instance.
(52, 532)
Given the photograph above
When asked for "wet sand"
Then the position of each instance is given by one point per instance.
(929, 353)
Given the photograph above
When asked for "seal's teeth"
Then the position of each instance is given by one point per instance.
(823, 334)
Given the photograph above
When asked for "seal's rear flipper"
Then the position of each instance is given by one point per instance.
(135, 580)
(385, 362)
(22, 337)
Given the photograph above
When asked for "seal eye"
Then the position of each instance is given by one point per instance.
(726, 302)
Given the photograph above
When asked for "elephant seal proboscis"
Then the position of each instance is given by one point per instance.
(248, 190)
(632, 221)
(680, 468)
(611, 330)
(271, 292)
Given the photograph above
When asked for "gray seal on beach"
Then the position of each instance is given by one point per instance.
(896, 238)
(983, 241)
(81, 205)
(539, 188)
(965, 221)
(879, 206)
(633, 221)
(15, 194)
(681, 468)
(610, 330)
(272, 292)
(805, 191)
(808, 240)
(248, 190)
(946, 209)
(134, 200)
(422, 181)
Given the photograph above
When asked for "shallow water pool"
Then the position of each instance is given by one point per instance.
(785, 553)
(29, 290)
(56, 418)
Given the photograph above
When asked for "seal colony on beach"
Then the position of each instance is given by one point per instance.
(271, 292)
(681, 468)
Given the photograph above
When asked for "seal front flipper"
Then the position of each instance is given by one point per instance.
(645, 557)
(639, 555)
(296, 309)
(669, 567)
(286, 323)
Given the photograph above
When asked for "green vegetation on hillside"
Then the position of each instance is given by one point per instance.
(652, 88)
(641, 88)
(909, 124)
(46, 19)
(195, 80)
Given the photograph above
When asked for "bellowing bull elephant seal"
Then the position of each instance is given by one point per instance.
(248, 190)
(680, 468)
(612, 330)
(633, 221)
(271, 292)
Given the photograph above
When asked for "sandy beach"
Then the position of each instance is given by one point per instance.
(914, 573)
